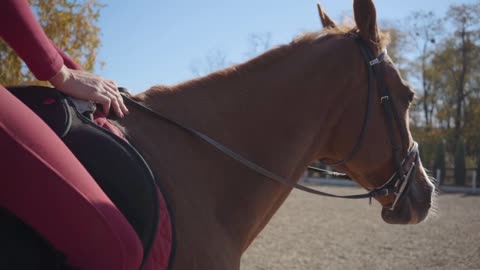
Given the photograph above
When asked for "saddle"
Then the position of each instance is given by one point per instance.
(117, 167)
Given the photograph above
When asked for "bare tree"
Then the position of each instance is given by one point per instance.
(425, 31)
(258, 43)
(465, 19)
(213, 61)
(217, 59)
(399, 44)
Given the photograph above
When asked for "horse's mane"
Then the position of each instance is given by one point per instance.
(271, 56)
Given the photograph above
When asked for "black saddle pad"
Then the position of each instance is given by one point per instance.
(117, 167)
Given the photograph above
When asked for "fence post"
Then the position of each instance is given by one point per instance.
(437, 176)
(474, 181)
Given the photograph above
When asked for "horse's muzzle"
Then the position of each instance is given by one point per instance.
(416, 203)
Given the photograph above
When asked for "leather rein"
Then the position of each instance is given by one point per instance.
(396, 184)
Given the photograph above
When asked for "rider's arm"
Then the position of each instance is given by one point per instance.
(21, 30)
(68, 62)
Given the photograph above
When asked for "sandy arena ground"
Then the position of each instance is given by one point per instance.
(312, 232)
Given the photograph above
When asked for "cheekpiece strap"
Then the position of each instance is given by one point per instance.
(379, 59)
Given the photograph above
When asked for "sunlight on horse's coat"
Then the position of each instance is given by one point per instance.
(282, 110)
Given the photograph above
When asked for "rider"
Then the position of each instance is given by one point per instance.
(41, 181)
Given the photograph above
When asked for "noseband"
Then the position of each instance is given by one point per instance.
(404, 169)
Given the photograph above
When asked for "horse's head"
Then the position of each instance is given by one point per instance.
(384, 155)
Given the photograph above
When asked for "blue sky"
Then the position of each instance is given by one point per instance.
(148, 42)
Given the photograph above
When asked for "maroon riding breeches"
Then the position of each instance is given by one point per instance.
(44, 185)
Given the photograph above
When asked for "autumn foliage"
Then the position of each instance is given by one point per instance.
(438, 55)
(71, 24)
(444, 67)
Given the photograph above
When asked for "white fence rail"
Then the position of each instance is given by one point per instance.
(446, 188)
(473, 188)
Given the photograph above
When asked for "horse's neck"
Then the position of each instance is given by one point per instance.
(269, 119)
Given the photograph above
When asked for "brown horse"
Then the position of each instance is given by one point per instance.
(292, 105)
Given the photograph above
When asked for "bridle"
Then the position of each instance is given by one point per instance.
(404, 169)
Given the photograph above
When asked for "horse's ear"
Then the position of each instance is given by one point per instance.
(327, 22)
(366, 20)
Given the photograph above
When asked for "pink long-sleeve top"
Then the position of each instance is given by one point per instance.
(21, 30)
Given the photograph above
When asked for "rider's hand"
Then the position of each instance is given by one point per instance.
(87, 86)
